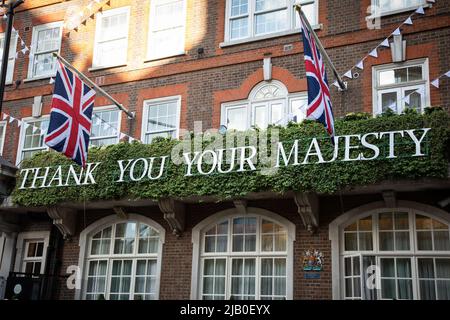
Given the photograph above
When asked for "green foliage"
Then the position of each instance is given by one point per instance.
(321, 178)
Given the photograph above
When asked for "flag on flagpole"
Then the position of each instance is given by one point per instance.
(319, 98)
(71, 116)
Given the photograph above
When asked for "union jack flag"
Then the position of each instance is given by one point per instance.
(71, 116)
(319, 99)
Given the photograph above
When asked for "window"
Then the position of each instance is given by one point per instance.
(268, 104)
(401, 87)
(12, 55)
(31, 252)
(411, 251)
(46, 40)
(32, 138)
(244, 257)
(105, 126)
(123, 262)
(167, 28)
(253, 18)
(111, 38)
(2, 135)
(161, 118)
(393, 6)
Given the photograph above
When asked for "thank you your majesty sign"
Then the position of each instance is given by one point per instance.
(355, 147)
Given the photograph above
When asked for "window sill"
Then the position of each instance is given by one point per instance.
(98, 68)
(39, 78)
(398, 11)
(265, 37)
(152, 59)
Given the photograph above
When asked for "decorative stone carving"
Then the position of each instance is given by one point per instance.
(390, 198)
(174, 214)
(120, 213)
(308, 209)
(241, 206)
(64, 219)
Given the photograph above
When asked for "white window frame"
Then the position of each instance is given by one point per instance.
(91, 230)
(98, 18)
(153, 54)
(286, 98)
(414, 254)
(21, 247)
(12, 56)
(400, 87)
(119, 123)
(36, 30)
(148, 103)
(291, 29)
(4, 125)
(198, 247)
(29, 120)
(376, 12)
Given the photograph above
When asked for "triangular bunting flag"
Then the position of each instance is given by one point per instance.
(67, 34)
(35, 129)
(24, 50)
(421, 91)
(105, 126)
(11, 119)
(5, 116)
(420, 10)
(122, 135)
(396, 32)
(83, 23)
(408, 21)
(393, 106)
(22, 43)
(385, 43)
(92, 16)
(16, 55)
(435, 83)
(374, 53)
(108, 3)
(349, 74)
(360, 65)
(75, 29)
(19, 123)
(5, 16)
(52, 81)
(131, 139)
(447, 74)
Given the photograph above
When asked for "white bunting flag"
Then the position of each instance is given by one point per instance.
(435, 83)
(420, 10)
(35, 129)
(52, 81)
(421, 91)
(27, 125)
(447, 74)
(360, 65)
(393, 106)
(22, 43)
(16, 55)
(336, 84)
(5, 16)
(349, 74)
(19, 123)
(122, 135)
(385, 43)
(5, 116)
(396, 32)
(374, 53)
(408, 21)
(89, 6)
(105, 126)
(407, 99)
(131, 139)
(11, 119)
(24, 50)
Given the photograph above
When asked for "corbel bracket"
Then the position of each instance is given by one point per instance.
(390, 198)
(241, 206)
(174, 214)
(64, 219)
(308, 209)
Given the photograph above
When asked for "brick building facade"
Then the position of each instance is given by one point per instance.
(211, 74)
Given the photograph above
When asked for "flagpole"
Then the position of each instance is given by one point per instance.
(342, 84)
(130, 115)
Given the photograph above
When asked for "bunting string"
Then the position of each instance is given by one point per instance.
(24, 48)
(88, 12)
(384, 44)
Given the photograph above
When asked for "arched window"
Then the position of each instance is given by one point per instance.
(122, 260)
(395, 254)
(244, 257)
(269, 103)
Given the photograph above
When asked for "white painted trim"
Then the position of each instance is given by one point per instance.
(36, 29)
(105, 222)
(12, 56)
(20, 247)
(3, 124)
(151, 53)
(394, 12)
(424, 62)
(336, 226)
(22, 136)
(229, 213)
(98, 19)
(148, 103)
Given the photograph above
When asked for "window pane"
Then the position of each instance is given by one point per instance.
(405, 289)
(415, 100)
(271, 22)
(402, 241)
(443, 289)
(387, 267)
(388, 288)
(365, 224)
(277, 114)
(415, 73)
(237, 118)
(386, 241)
(261, 117)
(424, 241)
(441, 240)
(389, 101)
(401, 221)
(443, 268)
(351, 243)
(426, 268)
(427, 290)
(385, 221)
(403, 268)
(262, 5)
(423, 223)
(238, 28)
(239, 7)
(365, 241)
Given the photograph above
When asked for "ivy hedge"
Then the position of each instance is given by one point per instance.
(325, 178)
